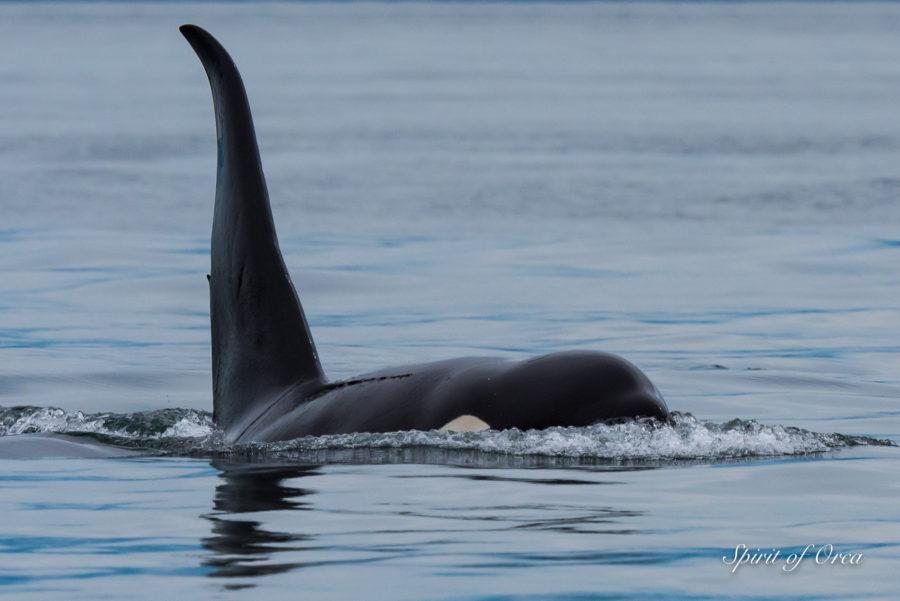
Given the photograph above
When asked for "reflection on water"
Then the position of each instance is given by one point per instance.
(488, 510)
(242, 547)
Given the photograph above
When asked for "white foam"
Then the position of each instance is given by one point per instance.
(164, 423)
(682, 436)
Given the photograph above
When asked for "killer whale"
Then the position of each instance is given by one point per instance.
(268, 383)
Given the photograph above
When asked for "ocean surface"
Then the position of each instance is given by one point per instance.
(710, 190)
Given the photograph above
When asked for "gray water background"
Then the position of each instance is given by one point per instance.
(709, 190)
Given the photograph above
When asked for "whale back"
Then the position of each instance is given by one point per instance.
(261, 342)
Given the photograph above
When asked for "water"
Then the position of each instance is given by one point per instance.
(708, 190)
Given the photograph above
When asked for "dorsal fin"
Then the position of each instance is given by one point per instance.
(260, 339)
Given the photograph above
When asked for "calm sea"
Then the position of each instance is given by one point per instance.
(710, 190)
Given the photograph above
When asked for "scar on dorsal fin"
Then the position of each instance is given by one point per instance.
(261, 342)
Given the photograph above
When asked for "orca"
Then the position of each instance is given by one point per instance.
(268, 383)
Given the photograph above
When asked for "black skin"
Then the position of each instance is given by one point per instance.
(268, 383)
(576, 388)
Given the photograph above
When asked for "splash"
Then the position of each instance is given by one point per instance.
(681, 437)
(142, 425)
